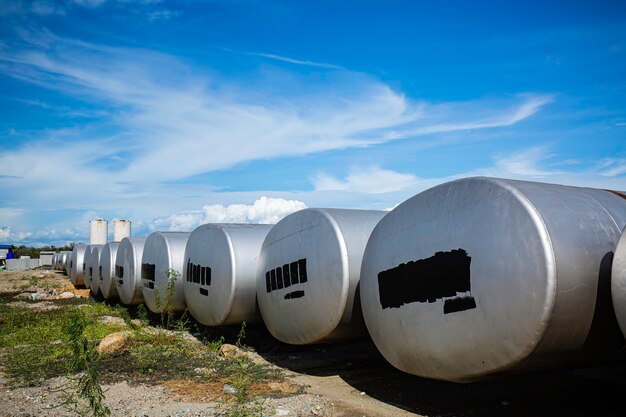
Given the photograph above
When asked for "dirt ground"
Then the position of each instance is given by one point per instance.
(342, 380)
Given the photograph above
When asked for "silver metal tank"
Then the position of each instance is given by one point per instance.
(90, 272)
(77, 272)
(68, 261)
(618, 281)
(483, 275)
(98, 232)
(309, 268)
(220, 272)
(121, 229)
(55, 261)
(93, 270)
(106, 273)
(64, 261)
(128, 270)
(162, 261)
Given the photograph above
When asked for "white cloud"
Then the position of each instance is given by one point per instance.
(89, 3)
(369, 180)
(44, 8)
(264, 210)
(162, 14)
(294, 60)
(7, 235)
(612, 167)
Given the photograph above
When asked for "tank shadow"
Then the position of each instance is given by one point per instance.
(587, 392)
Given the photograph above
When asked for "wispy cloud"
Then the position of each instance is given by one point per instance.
(367, 180)
(163, 121)
(294, 60)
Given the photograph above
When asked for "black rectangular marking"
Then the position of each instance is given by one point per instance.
(294, 294)
(148, 271)
(454, 305)
(279, 277)
(273, 279)
(204, 291)
(302, 270)
(286, 278)
(425, 280)
(268, 283)
(293, 268)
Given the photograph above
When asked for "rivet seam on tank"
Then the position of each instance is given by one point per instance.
(199, 274)
(438, 277)
(285, 276)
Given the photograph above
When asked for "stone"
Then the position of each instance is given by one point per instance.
(228, 351)
(113, 343)
(66, 295)
(229, 389)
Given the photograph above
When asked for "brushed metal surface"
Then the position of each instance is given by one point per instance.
(164, 251)
(538, 262)
(128, 257)
(107, 263)
(91, 260)
(121, 229)
(331, 241)
(231, 251)
(76, 265)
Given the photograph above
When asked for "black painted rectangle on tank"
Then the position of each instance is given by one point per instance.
(294, 294)
(279, 277)
(454, 305)
(204, 292)
(100, 272)
(202, 275)
(286, 277)
(268, 283)
(119, 271)
(425, 280)
(293, 268)
(149, 284)
(91, 272)
(148, 271)
(302, 270)
(273, 279)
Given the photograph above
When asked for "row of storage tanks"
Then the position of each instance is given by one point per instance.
(466, 280)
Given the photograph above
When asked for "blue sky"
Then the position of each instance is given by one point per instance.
(176, 113)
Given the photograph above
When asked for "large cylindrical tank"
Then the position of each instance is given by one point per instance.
(308, 273)
(128, 270)
(93, 270)
(121, 229)
(68, 262)
(55, 261)
(77, 272)
(99, 232)
(64, 261)
(162, 271)
(108, 288)
(618, 281)
(483, 275)
(92, 257)
(220, 272)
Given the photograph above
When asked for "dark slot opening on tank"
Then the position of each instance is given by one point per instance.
(91, 272)
(188, 275)
(440, 276)
(268, 284)
(279, 277)
(204, 291)
(286, 280)
(196, 274)
(100, 273)
(273, 279)
(121, 282)
(294, 294)
(83, 267)
(202, 275)
(208, 275)
(149, 284)
(148, 271)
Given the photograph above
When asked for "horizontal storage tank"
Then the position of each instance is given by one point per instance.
(108, 288)
(309, 268)
(98, 232)
(121, 229)
(92, 270)
(64, 261)
(128, 270)
(77, 272)
(88, 262)
(618, 281)
(55, 261)
(162, 271)
(482, 275)
(220, 272)
(68, 262)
